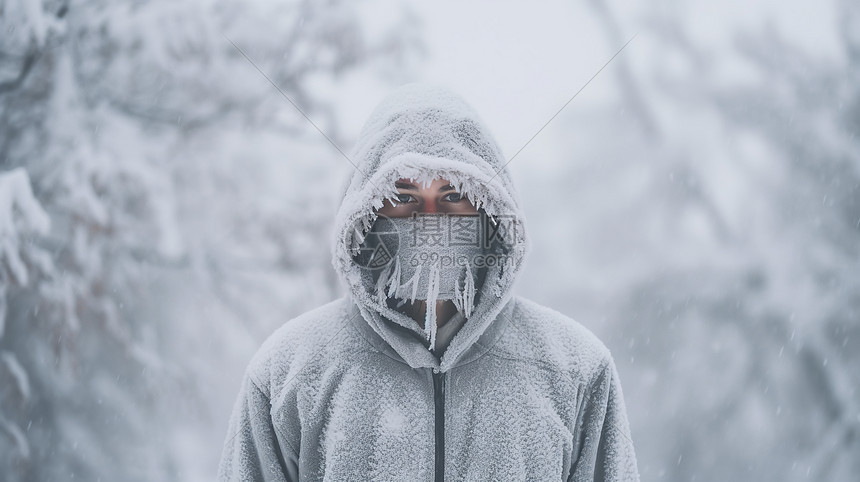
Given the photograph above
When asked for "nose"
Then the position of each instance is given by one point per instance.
(429, 206)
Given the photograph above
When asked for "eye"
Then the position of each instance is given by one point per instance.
(403, 198)
(453, 197)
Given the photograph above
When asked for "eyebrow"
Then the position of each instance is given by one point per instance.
(403, 185)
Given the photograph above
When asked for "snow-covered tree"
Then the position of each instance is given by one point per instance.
(719, 203)
(187, 197)
(21, 218)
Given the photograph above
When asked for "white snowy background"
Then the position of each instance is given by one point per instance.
(164, 207)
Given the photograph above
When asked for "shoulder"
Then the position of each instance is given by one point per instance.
(299, 341)
(543, 336)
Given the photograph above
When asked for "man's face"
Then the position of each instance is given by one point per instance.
(438, 197)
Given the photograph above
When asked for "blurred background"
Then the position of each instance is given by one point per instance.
(164, 208)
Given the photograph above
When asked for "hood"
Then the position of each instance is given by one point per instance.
(424, 132)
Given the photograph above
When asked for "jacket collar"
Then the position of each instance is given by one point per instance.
(405, 347)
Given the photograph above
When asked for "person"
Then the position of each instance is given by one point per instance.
(430, 368)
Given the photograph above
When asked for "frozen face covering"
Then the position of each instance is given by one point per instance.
(430, 257)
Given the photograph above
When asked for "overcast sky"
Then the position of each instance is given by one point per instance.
(517, 63)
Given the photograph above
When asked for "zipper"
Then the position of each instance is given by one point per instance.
(439, 414)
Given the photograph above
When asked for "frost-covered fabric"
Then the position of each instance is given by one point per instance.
(434, 256)
(447, 331)
(346, 391)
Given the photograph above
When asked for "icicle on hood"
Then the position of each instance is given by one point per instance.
(424, 132)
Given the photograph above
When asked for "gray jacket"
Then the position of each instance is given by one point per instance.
(350, 390)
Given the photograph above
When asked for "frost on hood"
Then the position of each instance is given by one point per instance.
(425, 132)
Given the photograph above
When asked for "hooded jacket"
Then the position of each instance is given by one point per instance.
(350, 390)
